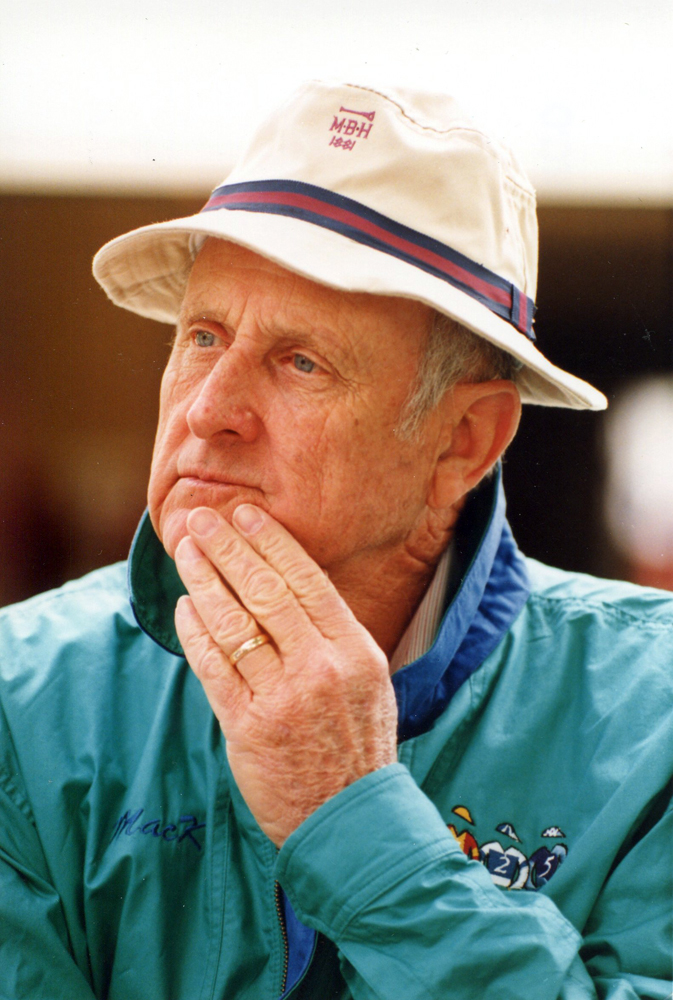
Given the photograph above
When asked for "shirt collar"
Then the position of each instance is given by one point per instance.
(422, 629)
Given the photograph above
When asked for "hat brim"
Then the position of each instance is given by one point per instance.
(147, 269)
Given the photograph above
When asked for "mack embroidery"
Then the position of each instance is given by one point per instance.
(130, 824)
(543, 864)
(468, 844)
(465, 838)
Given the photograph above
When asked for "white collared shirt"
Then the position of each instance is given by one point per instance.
(420, 633)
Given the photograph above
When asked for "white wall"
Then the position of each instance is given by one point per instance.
(159, 95)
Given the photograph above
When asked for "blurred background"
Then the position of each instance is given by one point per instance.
(115, 116)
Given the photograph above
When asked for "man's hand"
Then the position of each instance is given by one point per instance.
(306, 714)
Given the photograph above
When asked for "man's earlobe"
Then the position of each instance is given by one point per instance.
(481, 420)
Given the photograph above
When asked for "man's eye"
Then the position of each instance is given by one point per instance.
(303, 364)
(204, 338)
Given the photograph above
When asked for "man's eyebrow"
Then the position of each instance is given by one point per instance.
(191, 313)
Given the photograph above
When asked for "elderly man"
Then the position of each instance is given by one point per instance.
(406, 762)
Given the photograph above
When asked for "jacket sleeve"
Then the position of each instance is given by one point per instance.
(376, 870)
(36, 962)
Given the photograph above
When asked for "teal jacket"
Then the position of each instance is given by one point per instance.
(521, 848)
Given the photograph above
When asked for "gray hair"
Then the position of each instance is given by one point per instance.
(452, 354)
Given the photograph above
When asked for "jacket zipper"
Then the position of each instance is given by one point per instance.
(283, 931)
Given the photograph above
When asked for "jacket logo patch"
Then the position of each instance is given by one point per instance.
(467, 842)
(130, 825)
(508, 866)
(509, 831)
(543, 864)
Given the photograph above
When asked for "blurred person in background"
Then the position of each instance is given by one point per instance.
(329, 733)
(639, 489)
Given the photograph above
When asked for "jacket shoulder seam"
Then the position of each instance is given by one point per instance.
(61, 593)
(90, 581)
(606, 608)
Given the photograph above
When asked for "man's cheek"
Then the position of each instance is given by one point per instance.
(163, 477)
(172, 431)
(178, 390)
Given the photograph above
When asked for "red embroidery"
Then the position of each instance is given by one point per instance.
(336, 140)
(351, 126)
(365, 114)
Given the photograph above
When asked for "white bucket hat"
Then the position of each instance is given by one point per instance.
(393, 193)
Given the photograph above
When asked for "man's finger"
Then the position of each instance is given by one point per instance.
(307, 581)
(259, 587)
(227, 624)
(224, 686)
(271, 544)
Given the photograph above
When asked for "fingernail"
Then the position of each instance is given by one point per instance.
(188, 551)
(248, 518)
(203, 521)
(183, 607)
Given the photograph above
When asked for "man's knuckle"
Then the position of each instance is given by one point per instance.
(275, 545)
(231, 622)
(207, 663)
(305, 579)
(229, 547)
(325, 674)
(263, 586)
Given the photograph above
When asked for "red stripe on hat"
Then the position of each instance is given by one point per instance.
(363, 225)
(523, 313)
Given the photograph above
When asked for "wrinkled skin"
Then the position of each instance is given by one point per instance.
(279, 407)
(312, 713)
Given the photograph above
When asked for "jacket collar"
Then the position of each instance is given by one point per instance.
(492, 587)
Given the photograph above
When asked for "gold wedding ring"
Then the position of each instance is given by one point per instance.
(248, 646)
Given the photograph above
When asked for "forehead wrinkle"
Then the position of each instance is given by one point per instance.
(293, 326)
(204, 304)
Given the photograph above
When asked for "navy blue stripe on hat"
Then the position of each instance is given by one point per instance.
(354, 220)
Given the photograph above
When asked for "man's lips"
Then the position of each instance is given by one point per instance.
(206, 479)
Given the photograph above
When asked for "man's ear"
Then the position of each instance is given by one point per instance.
(480, 420)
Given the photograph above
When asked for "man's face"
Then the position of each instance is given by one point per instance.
(286, 394)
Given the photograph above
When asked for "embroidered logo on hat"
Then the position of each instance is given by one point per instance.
(350, 127)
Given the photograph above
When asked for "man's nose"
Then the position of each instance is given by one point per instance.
(225, 404)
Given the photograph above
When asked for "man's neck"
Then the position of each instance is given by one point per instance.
(384, 589)
(421, 631)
